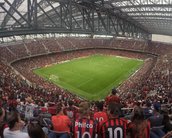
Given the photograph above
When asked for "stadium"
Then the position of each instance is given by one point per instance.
(56, 55)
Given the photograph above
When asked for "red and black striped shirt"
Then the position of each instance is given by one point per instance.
(113, 128)
(84, 128)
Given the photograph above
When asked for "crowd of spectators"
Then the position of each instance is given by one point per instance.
(19, 50)
(52, 44)
(35, 47)
(38, 100)
(6, 55)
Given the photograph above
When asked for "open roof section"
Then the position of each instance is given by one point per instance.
(130, 17)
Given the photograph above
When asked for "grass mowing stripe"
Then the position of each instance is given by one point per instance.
(91, 77)
(85, 82)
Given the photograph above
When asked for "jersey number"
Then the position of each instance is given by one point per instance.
(100, 119)
(83, 135)
(115, 133)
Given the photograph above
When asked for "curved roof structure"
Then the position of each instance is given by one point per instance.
(135, 18)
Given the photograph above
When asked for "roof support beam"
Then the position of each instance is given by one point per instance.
(114, 25)
(72, 17)
(151, 11)
(146, 5)
(12, 6)
(42, 3)
(58, 14)
(102, 21)
(16, 4)
(47, 15)
(10, 15)
(88, 16)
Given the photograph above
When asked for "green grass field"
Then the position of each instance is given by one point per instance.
(91, 77)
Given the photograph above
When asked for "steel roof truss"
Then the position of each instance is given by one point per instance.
(12, 6)
(18, 23)
(47, 15)
(58, 14)
(16, 4)
(72, 17)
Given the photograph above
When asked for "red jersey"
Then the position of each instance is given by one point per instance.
(112, 98)
(113, 128)
(52, 110)
(84, 128)
(61, 123)
(100, 116)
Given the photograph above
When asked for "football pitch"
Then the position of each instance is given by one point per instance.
(91, 77)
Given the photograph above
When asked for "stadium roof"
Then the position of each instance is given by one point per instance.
(153, 16)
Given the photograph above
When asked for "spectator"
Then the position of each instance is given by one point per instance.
(114, 127)
(29, 108)
(71, 110)
(83, 126)
(147, 110)
(15, 125)
(113, 97)
(139, 128)
(168, 135)
(157, 118)
(166, 123)
(100, 115)
(61, 123)
(152, 81)
(3, 125)
(12, 102)
(35, 131)
(156, 121)
(2, 114)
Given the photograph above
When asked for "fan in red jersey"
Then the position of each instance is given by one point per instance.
(83, 126)
(61, 123)
(114, 127)
(100, 115)
(113, 97)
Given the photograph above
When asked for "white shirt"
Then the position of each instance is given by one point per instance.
(14, 134)
(29, 111)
